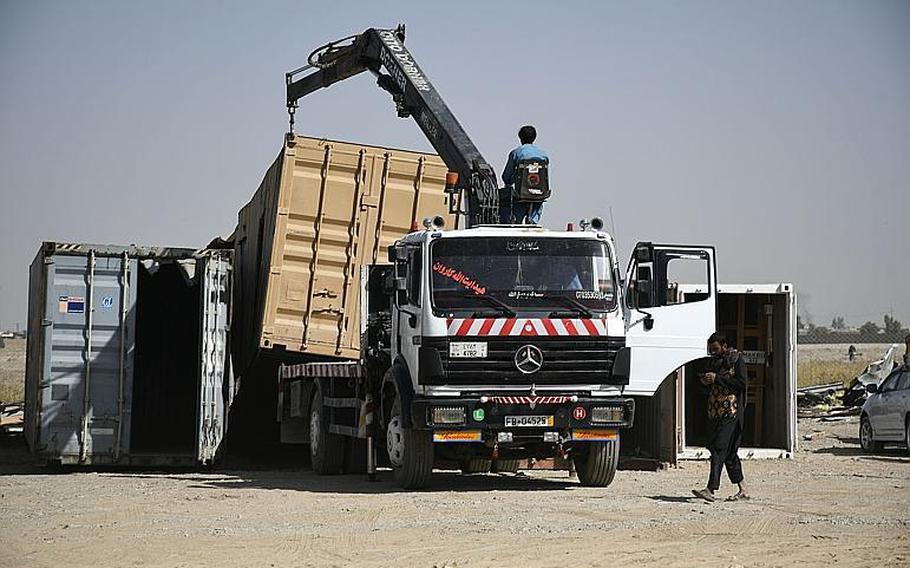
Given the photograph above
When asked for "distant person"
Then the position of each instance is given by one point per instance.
(907, 351)
(510, 210)
(725, 377)
(851, 353)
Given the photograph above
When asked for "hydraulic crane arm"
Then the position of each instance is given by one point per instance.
(376, 50)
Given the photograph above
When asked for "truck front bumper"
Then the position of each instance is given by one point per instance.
(514, 419)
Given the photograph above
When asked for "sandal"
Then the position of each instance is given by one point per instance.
(704, 494)
(739, 496)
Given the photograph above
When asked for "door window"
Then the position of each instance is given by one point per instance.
(890, 383)
(687, 269)
(416, 270)
(903, 383)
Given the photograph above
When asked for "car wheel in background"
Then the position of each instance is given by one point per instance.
(866, 436)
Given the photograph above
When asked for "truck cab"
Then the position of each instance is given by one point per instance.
(517, 342)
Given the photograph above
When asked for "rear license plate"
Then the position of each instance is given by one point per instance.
(468, 350)
(528, 421)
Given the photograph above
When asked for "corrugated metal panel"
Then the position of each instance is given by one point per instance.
(86, 334)
(771, 310)
(323, 210)
(215, 396)
(84, 402)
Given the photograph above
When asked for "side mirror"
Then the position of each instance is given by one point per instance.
(388, 284)
(643, 253)
(401, 289)
(643, 293)
(872, 388)
(397, 253)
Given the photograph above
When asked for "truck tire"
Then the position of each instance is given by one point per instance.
(326, 449)
(506, 466)
(597, 466)
(476, 465)
(410, 451)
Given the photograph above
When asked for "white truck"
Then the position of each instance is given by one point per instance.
(474, 347)
(494, 344)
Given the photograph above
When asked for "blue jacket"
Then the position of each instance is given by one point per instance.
(523, 152)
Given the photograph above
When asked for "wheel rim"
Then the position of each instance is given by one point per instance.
(395, 441)
(315, 423)
(865, 434)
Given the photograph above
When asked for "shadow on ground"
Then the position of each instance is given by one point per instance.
(674, 499)
(286, 469)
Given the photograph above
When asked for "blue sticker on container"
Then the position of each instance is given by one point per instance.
(107, 302)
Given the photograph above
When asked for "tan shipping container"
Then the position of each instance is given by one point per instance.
(323, 211)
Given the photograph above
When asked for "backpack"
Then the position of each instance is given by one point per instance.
(531, 181)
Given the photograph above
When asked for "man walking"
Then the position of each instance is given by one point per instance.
(511, 211)
(725, 378)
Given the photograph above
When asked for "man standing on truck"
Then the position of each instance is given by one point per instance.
(510, 210)
(725, 377)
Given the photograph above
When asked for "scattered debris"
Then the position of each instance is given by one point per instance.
(875, 372)
(819, 396)
(11, 417)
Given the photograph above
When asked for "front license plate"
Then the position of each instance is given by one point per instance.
(468, 349)
(528, 421)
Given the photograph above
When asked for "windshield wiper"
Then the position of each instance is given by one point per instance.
(505, 308)
(572, 303)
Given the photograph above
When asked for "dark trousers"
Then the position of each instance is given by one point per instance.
(726, 435)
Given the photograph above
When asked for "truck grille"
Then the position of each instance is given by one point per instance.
(576, 360)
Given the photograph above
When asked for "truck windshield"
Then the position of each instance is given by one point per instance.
(509, 274)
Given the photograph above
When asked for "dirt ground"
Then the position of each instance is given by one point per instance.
(829, 505)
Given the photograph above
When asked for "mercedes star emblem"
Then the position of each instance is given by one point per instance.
(528, 359)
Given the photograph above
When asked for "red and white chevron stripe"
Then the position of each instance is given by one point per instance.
(526, 326)
(535, 400)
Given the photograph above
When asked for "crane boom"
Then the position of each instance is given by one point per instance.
(378, 50)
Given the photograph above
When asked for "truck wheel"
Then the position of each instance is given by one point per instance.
(475, 465)
(866, 436)
(410, 451)
(506, 466)
(597, 467)
(326, 450)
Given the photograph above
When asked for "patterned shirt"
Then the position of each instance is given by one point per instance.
(729, 387)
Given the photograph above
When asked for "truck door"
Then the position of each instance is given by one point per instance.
(665, 330)
(407, 322)
(216, 380)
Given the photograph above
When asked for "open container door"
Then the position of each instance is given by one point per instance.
(216, 378)
(663, 330)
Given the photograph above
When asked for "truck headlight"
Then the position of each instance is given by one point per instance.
(448, 415)
(606, 414)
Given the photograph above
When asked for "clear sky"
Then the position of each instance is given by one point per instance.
(778, 131)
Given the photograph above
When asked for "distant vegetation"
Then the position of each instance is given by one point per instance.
(893, 331)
